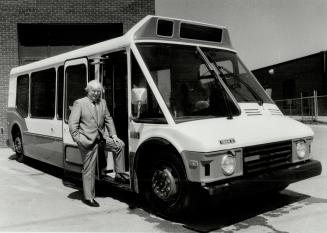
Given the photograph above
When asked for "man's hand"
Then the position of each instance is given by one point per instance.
(118, 142)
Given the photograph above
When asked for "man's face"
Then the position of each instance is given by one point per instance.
(94, 93)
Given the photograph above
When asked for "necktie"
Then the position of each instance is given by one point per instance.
(96, 112)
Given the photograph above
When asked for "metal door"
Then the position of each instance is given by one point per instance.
(75, 81)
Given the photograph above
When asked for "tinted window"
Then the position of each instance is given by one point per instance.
(43, 85)
(199, 32)
(75, 85)
(165, 28)
(22, 96)
(60, 91)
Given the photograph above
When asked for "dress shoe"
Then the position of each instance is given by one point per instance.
(106, 172)
(91, 203)
(122, 177)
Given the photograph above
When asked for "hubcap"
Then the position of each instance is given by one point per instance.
(164, 184)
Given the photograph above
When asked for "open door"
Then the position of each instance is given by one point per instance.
(114, 81)
(75, 81)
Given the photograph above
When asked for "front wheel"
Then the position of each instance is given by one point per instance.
(18, 147)
(166, 187)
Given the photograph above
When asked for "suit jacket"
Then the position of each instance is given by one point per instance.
(83, 125)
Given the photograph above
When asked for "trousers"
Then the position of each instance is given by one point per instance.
(90, 158)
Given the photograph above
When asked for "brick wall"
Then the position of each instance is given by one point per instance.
(12, 12)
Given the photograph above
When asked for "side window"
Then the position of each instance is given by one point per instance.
(60, 91)
(144, 103)
(75, 85)
(43, 93)
(22, 94)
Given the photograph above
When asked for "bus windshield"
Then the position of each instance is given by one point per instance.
(190, 89)
(236, 76)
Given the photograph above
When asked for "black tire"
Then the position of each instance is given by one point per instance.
(18, 147)
(280, 188)
(166, 187)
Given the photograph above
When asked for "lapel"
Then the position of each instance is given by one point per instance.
(90, 107)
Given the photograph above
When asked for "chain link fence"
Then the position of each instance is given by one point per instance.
(312, 108)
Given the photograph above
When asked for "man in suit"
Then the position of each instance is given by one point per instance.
(88, 121)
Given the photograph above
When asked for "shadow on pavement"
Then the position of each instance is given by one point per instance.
(242, 213)
(12, 157)
(250, 211)
(41, 166)
(44, 167)
(133, 200)
(77, 195)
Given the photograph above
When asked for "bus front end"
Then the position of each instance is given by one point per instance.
(229, 134)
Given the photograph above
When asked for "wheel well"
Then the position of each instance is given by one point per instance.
(15, 131)
(146, 154)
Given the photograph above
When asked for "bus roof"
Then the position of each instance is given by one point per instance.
(150, 28)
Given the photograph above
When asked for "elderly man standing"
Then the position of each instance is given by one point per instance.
(88, 121)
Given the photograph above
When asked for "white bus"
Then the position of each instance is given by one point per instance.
(192, 116)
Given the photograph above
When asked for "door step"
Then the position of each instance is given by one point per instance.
(112, 181)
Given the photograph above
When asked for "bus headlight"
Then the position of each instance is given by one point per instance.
(228, 164)
(301, 149)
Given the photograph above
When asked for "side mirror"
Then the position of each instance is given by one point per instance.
(139, 97)
(268, 91)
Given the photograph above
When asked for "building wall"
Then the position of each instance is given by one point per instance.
(13, 12)
(290, 79)
(296, 78)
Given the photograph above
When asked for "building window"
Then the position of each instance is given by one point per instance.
(43, 85)
(22, 94)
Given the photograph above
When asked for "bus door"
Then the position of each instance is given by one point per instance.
(75, 81)
(114, 80)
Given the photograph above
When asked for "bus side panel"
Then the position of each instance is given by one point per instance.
(73, 159)
(43, 140)
(44, 148)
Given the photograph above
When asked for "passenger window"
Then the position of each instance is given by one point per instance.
(43, 93)
(22, 95)
(75, 85)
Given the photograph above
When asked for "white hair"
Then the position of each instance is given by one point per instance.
(93, 84)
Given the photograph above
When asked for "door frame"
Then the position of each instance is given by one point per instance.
(72, 160)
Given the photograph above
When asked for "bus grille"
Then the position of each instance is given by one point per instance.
(265, 157)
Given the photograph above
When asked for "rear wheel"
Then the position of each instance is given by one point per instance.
(18, 147)
(166, 187)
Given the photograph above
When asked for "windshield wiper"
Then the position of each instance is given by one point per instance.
(219, 83)
(222, 75)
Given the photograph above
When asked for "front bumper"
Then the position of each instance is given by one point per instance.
(266, 181)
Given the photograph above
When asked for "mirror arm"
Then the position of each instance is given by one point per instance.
(139, 105)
